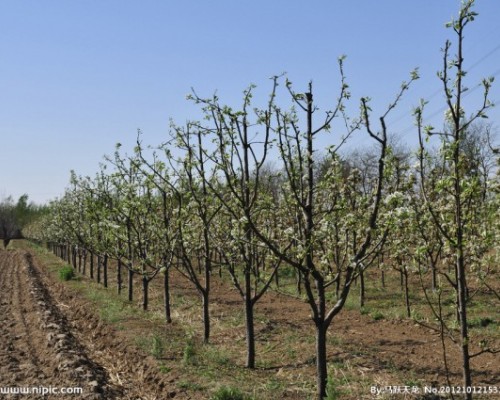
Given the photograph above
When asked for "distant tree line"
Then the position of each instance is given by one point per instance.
(14, 216)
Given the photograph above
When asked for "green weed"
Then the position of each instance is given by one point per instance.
(228, 393)
(164, 369)
(212, 355)
(153, 344)
(274, 385)
(364, 310)
(481, 322)
(332, 389)
(189, 354)
(66, 273)
(158, 346)
(377, 315)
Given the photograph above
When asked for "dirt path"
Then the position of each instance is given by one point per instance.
(46, 343)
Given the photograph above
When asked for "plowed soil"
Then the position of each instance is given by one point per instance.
(45, 342)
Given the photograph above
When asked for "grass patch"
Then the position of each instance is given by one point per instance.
(377, 315)
(417, 316)
(111, 309)
(364, 310)
(229, 393)
(164, 369)
(66, 273)
(153, 344)
(274, 385)
(214, 355)
(333, 392)
(189, 354)
(187, 385)
(481, 322)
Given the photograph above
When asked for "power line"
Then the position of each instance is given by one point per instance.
(434, 94)
(484, 57)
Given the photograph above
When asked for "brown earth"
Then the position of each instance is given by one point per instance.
(50, 339)
(51, 336)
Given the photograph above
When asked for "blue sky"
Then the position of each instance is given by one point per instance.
(78, 76)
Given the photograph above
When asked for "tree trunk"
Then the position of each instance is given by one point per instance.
(298, 281)
(91, 265)
(166, 296)
(462, 309)
(460, 222)
(84, 270)
(105, 271)
(206, 292)
(206, 316)
(361, 289)
(145, 287)
(99, 268)
(407, 293)
(250, 333)
(79, 260)
(130, 285)
(74, 258)
(321, 362)
(250, 330)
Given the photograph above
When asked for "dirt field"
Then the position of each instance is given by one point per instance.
(51, 336)
(48, 341)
